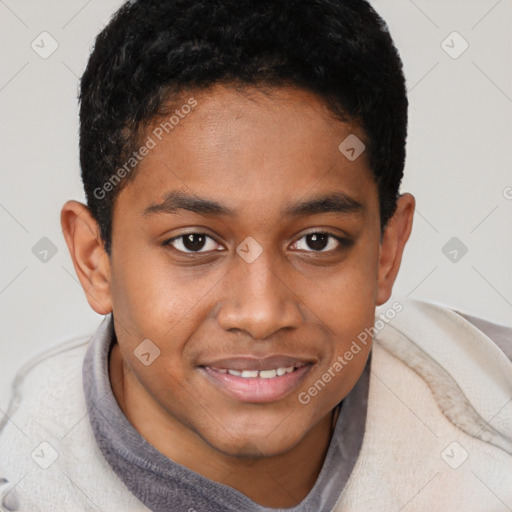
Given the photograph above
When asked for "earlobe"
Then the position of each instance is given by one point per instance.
(91, 262)
(393, 242)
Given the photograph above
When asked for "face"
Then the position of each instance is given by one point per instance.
(248, 242)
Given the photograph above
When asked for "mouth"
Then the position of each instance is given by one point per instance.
(257, 380)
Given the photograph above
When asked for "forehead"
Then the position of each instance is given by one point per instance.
(248, 147)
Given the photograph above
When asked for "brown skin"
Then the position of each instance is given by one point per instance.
(253, 154)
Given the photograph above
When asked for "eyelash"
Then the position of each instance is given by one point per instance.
(343, 242)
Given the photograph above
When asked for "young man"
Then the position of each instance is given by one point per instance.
(242, 163)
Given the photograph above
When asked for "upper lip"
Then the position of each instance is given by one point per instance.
(257, 363)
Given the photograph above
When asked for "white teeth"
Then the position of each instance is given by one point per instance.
(262, 374)
(249, 373)
(268, 374)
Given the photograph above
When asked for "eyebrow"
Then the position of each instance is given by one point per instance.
(336, 202)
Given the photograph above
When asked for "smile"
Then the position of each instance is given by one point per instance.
(259, 382)
(270, 373)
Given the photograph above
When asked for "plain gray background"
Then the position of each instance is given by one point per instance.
(459, 161)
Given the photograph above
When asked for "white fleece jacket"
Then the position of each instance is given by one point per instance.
(438, 434)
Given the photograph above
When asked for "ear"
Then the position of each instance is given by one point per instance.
(91, 262)
(392, 246)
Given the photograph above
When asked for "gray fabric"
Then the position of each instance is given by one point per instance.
(500, 334)
(163, 485)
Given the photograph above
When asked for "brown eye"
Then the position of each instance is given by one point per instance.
(319, 241)
(192, 242)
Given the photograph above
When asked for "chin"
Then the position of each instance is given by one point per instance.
(255, 443)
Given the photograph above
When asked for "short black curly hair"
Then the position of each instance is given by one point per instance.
(151, 51)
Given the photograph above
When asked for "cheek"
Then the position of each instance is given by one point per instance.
(346, 300)
(161, 302)
(345, 303)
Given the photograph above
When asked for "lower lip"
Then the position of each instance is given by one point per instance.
(256, 389)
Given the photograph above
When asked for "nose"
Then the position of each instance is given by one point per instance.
(258, 299)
